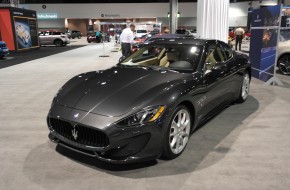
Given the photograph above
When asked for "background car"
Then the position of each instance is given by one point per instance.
(74, 34)
(149, 104)
(139, 33)
(92, 37)
(56, 38)
(4, 51)
(283, 53)
(118, 32)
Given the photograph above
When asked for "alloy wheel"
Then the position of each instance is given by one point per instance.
(284, 64)
(58, 43)
(179, 131)
(246, 86)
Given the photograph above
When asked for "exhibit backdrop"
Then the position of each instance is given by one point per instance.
(263, 46)
(25, 24)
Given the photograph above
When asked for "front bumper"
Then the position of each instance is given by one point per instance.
(126, 145)
(4, 52)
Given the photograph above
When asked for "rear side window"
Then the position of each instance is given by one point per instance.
(57, 33)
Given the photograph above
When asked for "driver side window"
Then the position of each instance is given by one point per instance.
(214, 56)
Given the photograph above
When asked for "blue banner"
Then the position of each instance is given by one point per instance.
(264, 29)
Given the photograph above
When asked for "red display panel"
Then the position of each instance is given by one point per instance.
(6, 28)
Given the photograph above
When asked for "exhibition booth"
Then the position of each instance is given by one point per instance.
(18, 28)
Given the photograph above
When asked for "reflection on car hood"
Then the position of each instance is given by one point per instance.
(115, 91)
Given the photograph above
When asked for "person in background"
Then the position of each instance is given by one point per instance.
(98, 36)
(126, 39)
(239, 32)
(166, 31)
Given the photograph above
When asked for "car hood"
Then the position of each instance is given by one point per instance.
(116, 91)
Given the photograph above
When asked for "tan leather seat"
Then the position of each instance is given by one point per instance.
(168, 58)
(163, 61)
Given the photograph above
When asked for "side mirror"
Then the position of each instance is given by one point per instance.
(219, 66)
(207, 72)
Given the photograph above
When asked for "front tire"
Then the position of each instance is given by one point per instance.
(58, 43)
(177, 132)
(284, 64)
(245, 88)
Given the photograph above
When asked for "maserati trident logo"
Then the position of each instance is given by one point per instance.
(74, 133)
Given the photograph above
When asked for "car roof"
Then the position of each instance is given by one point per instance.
(51, 31)
(178, 38)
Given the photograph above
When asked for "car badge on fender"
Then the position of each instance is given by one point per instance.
(74, 132)
(76, 115)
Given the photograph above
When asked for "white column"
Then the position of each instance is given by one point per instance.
(173, 15)
(213, 19)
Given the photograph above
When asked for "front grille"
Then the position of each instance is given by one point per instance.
(79, 133)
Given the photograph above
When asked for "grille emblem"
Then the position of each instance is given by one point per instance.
(74, 133)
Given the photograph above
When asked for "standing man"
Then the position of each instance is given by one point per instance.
(126, 40)
(239, 32)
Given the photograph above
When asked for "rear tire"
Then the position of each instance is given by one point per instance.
(177, 132)
(79, 37)
(245, 88)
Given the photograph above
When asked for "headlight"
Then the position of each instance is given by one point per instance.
(146, 115)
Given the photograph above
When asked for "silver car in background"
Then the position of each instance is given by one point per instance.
(56, 38)
(283, 53)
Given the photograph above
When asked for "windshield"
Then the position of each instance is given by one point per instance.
(171, 56)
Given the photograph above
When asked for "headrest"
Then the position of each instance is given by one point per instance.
(172, 55)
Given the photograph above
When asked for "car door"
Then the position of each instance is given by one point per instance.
(47, 38)
(214, 80)
(41, 38)
(233, 78)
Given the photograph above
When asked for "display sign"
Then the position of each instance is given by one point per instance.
(110, 15)
(19, 28)
(25, 24)
(263, 46)
(47, 15)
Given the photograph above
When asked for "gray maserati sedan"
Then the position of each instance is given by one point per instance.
(149, 104)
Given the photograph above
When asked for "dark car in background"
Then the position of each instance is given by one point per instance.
(74, 34)
(118, 33)
(50, 37)
(148, 105)
(4, 51)
(104, 37)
